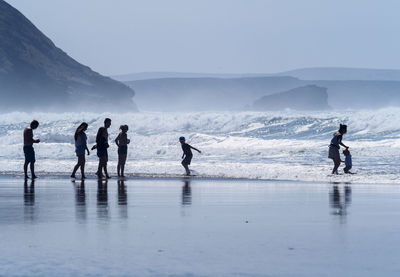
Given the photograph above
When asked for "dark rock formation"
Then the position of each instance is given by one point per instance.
(309, 97)
(36, 75)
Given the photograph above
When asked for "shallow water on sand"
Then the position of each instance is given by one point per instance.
(183, 227)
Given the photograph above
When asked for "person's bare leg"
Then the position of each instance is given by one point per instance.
(99, 169)
(336, 166)
(122, 162)
(105, 171)
(186, 168)
(83, 177)
(82, 162)
(103, 166)
(75, 168)
(33, 170)
(122, 170)
(74, 171)
(119, 169)
(26, 169)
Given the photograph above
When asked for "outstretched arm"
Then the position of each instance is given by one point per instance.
(341, 143)
(195, 149)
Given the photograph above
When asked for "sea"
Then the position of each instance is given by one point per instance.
(286, 145)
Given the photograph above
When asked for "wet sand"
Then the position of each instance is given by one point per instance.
(198, 227)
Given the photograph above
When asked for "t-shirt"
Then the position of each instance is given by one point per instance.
(337, 137)
(348, 161)
(102, 139)
(186, 149)
(28, 136)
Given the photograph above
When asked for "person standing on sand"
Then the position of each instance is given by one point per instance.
(80, 147)
(187, 154)
(334, 147)
(102, 146)
(29, 152)
(122, 142)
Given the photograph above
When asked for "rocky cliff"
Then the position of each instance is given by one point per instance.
(37, 75)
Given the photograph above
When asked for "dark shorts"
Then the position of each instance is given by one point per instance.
(187, 160)
(102, 153)
(333, 153)
(29, 154)
(122, 150)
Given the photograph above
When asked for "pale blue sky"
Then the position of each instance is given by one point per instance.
(221, 36)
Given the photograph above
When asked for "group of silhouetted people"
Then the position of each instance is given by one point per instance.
(122, 142)
(101, 146)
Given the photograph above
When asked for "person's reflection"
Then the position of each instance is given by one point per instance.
(340, 201)
(80, 199)
(102, 199)
(122, 199)
(186, 193)
(29, 200)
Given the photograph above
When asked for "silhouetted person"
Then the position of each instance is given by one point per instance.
(347, 161)
(102, 146)
(122, 142)
(80, 147)
(186, 194)
(334, 147)
(187, 154)
(29, 152)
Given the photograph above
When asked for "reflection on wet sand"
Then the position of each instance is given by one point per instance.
(80, 201)
(122, 199)
(102, 199)
(29, 200)
(186, 193)
(340, 201)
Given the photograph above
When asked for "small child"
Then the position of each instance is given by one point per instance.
(122, 142)
(347, 161)
(187, 154)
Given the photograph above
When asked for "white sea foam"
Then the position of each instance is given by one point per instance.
(280, 145)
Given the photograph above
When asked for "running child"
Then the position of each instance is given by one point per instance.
(122, 142)
(187, 154)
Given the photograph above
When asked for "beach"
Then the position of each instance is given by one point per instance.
(197, 227)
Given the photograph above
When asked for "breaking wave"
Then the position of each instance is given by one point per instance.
(269, 145)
